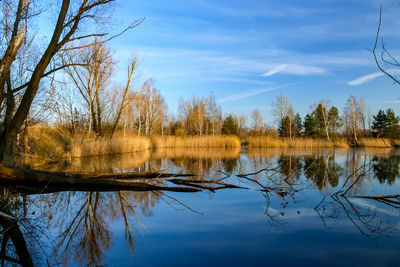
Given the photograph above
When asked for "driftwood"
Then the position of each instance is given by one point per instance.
(200, 184)
(35, 181)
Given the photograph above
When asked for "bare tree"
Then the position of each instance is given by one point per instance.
(92, 78)
(67, 29)
(195, 112)
(386, 60)
(280, 108)
(352, 117)
(215, 115)
(126, 94)
(257, 118)
(323, 116)
(150, 108)
(242, 121)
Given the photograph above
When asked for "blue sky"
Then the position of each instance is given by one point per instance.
(247, 52)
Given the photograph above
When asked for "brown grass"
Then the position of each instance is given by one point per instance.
(195, 141)
(199, 152)
(49, 143)
(270, 142)
(45, 143)
(375, 142)
(85, 145)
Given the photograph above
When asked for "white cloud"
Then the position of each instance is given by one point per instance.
(393, 102)
(369, 77)
(365, 78)
(250, 93)
(275, 70)
(295, 69)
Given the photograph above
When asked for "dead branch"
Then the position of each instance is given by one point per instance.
(44, 181)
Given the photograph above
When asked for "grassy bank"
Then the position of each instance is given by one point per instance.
(377, 142)
(195, 141)
(47, 143)
(270, 142)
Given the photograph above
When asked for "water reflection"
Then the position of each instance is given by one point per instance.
(83, 221)
(79, 227)
(386, 169)
(322, 170)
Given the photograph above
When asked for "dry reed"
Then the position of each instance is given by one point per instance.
(85, 145)
(195, 141)
(270, 142)
(197, 152)
(374, 142)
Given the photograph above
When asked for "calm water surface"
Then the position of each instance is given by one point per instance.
(285, 214)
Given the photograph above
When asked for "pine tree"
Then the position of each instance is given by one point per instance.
(392, 125)
(311, 125)
(230, 125)
(335, 120)
(386, 124)
(379, 124)
(298, 123)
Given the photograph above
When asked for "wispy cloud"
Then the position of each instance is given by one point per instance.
(295, 69)
(368, 77)
(250, 93)
(365, 78)
(275, 70)
(393, 101)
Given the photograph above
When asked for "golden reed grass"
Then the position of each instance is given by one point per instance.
(375, 142)
(48, 143)
(196, 141)
(199, 152)
(84, 145)
(270, 142)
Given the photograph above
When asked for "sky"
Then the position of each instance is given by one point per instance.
(247, 52)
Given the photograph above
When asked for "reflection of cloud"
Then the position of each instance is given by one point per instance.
(365, 204)
(368, 77)
(250, 93)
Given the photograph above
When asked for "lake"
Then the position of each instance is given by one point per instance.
(264, 207)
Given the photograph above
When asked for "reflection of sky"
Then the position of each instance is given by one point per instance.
(234, 229)
(233, 232)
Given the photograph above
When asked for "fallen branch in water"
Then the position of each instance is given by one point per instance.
(196, 183)
(36, 181)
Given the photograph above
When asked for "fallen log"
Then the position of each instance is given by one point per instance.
(195, 183)
(61, 181)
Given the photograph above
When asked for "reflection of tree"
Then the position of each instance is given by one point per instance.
(386, 169)
(322, 169)
(290, 166)
(200, 166)
(14, 247)
(84, 219)
(230, 165)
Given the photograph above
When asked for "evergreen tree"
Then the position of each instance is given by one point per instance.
(335, 120)
(386, 124)
(311, 125)
(392, 125)
(379, 124)
(298, 123)
(230, 125)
